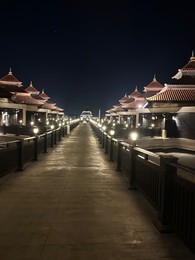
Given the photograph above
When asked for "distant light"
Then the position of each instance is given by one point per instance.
(112, 132)
(52, 127)
(133, 136)
(152, 125)
(35, 130)
(104, 127)
(32, 123)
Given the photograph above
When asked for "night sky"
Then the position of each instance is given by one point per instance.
(89, 54)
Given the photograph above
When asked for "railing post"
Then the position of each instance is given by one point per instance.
(111, 149)
(52, 138)
(35, 148)
(132, 171)
(106, 145)
(68, 129)
(55, 136)
(103, 139)
(20, 155)
(45, 143)
(63, 131)
(167, 173)
(119, 156)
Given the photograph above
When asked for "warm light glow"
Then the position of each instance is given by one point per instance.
(104, 127)
(152, 125)
(112, 132)
(52, 127)
(133, 136)
(35, 130)
(32, 123)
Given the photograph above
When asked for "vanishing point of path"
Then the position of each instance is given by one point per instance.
(72, 204)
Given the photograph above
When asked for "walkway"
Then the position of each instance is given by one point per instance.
(72, 204)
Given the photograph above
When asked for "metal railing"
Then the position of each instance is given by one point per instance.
(15, 154)
(168, 186)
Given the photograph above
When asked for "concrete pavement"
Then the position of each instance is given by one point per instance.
(72, 204)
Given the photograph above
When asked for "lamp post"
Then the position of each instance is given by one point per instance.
(134, 136)
(35, 130)
(103, 130)
(112, 132)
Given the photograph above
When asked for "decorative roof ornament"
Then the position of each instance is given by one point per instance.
(192, 58)
(154, 79)
(10, 71)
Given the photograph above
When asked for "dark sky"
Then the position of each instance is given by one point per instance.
(88, 54)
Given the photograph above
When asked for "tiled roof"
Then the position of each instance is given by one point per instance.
(124, 99)
(31, 89)
(135, 104)
(47, 105)
(153, 86)
(135, 93)
(116, 109)
(58, 109)
(43, 95)
(175, 95)
(11, 79)
(190, 65)
(26, 98)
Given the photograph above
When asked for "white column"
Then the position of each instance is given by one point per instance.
(136, 120)
(24, 116)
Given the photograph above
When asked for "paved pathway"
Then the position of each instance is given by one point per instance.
(72, 204)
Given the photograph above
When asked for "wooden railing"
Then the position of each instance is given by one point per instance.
(168, 186)
(15, 154)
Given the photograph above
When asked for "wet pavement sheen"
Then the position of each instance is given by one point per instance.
(73, 204)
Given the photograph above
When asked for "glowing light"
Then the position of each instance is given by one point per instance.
(35, 130)
(52, 127)
(104, 127)
(112, 132)
(133, 136)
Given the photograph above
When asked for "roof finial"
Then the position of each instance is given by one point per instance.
(10, 71)
(43, 90)
(154, 79)
(136, 88)
(31, 83)
(192, 58)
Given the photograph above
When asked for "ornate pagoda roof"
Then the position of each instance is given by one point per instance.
(26, 98)
(31, 89)
(48, 105)
(135, 94)
(124, 99)
(186, 74)
(175, 94)
(154, 85)
(10, 79)
(59, 109)
(43, 95)
(135, 104)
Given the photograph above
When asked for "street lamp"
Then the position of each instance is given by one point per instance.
(52, 127)
(35, 130)
(134, 136)
(112, 132)
(104, 128)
